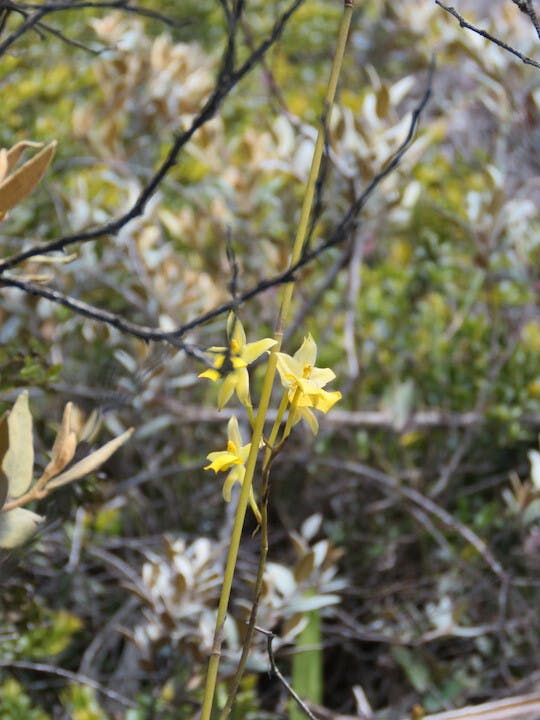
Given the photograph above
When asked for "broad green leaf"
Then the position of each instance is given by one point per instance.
(18, 462)
(19, 184)
(91, 462)
(17, 526)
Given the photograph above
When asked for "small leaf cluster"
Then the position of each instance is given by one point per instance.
(17, 484)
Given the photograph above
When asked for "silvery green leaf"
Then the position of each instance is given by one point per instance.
(17, 526)
(315, 602)
(534, 459)
(18, 462)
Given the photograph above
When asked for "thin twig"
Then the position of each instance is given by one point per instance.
(467, 25)
(72, 677)
(142, 332)
(389, 483)
(228, 78)
(340, 234)
(68, 41)
(30, 22)
(527, 8)
(276, 672)
(124, 5)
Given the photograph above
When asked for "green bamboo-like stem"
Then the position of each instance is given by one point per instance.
(248, 640)
(213, 664)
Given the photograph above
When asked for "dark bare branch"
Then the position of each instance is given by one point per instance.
(467, 25)
(124, 5)
(338, 237)
(228, 78)
(69, 677)
(526, 7)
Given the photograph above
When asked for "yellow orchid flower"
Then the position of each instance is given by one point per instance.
(236, 357)
(304, 383)
(234, 459)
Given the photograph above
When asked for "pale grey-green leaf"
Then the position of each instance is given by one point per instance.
(18, 462)
(17, 526)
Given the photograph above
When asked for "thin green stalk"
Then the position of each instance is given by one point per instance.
(292, 413)
(213, 664)
(248, 640)
(272, 450)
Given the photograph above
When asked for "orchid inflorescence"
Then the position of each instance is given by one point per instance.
(303, 385)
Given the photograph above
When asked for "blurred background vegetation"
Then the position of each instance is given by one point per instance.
(428, 315)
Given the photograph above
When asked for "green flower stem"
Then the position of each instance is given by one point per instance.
(269, 454)
(290, 417)
(213, 664)
(303, 225)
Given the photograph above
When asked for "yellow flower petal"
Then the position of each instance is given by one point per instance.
(235, 476)
(307, 415)
(238, 362)
(321, 376)
(222, 460)
(235, 330)
(231, 363)
(242, 387)
(307, 352)
(211, 374)
(226, 390)
(288, 368)
(253, 350)
(233, 431)
(324, 400)
(304, 382)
